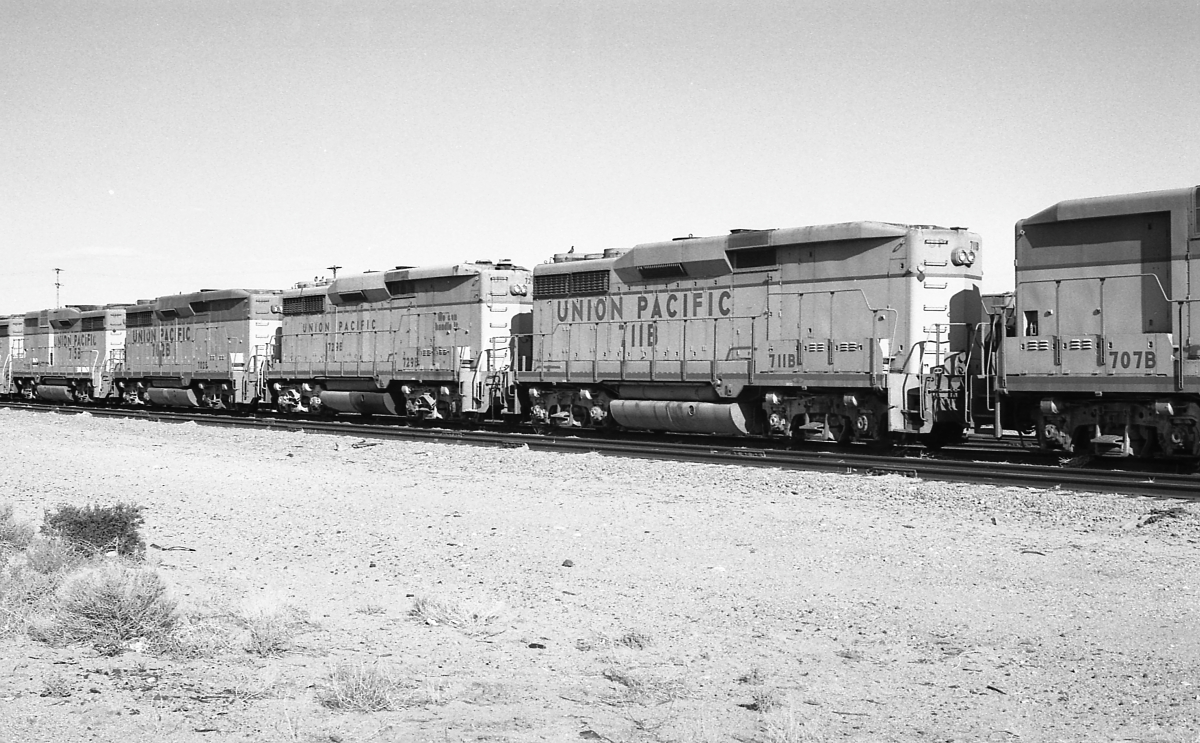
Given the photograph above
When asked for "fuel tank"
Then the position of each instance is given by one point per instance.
(55, 392)
(172, 397)
(729, 419)
(371, 403)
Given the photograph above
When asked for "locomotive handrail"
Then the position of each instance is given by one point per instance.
(1155, 276)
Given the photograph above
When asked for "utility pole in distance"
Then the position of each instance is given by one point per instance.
(334, 269)
(57, 284)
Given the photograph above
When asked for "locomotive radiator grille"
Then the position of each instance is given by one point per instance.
(570, 284)
(310, 305)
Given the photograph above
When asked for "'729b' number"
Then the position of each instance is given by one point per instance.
(1133, 359)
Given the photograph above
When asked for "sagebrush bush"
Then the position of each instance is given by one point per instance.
(113, 603)
(101, 528)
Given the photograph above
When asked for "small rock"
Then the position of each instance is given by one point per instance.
(568, 563)
(537, 646)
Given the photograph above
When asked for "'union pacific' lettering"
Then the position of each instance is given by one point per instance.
(163, 334)
(75, 340)
(658, 306)
(341, 326)
(596, 309)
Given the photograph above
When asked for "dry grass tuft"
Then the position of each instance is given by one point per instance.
(634, 640)
(765, 699)
(631, 639)
(371, 610)
(754, 677)
(202, 636)
(56, 685)
(783, 725)
(470, 620)
(362, 688)
(112, 603)
(270, 628)
(638, 688)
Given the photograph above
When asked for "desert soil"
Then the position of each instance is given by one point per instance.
(850, 608)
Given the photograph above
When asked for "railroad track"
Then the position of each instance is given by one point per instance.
(972, 463)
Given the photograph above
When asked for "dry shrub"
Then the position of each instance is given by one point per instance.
(362, 688)
(29, 580)
(470, 620)
(52, 556)
(112, 603)
(13, 534)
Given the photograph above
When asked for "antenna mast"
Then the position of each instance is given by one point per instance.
(57, 284)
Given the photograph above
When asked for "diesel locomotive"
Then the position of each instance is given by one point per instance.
(865, 331)
(857, 331)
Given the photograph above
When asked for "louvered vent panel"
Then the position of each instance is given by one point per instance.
(313, 304)
(92, 324)
(138, 319)
(550, 286)
(1079, 344)
(589, 282)
(1037, 345)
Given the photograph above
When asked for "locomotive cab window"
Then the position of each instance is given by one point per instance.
(1031, 322)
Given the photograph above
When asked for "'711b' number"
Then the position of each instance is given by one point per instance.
(1133, 359)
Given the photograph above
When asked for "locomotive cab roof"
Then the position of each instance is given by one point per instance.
(1120, 204)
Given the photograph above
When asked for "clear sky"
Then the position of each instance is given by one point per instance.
(149, 148)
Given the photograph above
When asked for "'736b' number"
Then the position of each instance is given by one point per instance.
(1133, 359)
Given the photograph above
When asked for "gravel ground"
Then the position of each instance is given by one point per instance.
(636, 601)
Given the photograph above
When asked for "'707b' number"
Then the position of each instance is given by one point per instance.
(1133, 359)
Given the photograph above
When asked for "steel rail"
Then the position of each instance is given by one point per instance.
(957, 466)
